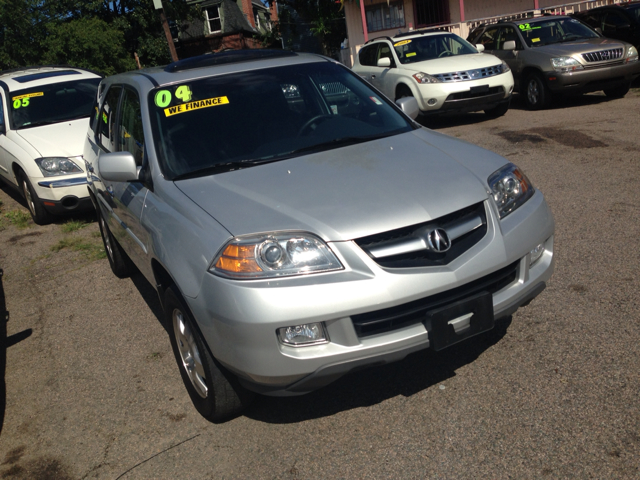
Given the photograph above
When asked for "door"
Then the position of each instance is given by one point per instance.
(121, 130)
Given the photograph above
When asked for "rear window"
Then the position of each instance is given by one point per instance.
(53, 103)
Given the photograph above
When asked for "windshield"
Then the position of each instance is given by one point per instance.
(546, 32)
(226, 122)
(432, 46)
(53, 103)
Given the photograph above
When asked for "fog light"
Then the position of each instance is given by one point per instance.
(303, 335)
(536, 253)
(432, 101)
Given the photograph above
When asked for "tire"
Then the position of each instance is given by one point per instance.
(214, 391)
(39, 214)
(536, 93)
(120, 263)
(403, 91)
(617, 92)
(498, 111)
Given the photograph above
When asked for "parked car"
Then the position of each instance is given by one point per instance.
(297, 225)
(44, 113)
(621, 21)
(559, 54)
(441, 70)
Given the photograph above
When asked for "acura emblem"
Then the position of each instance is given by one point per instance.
(438, 240)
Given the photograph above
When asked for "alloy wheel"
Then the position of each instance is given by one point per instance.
(189, 353)
(533, 93)
(107, 239)
(28, 197)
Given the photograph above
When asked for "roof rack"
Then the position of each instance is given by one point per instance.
(223, 58)
(422, 31)
(379, 38)
(33, 67)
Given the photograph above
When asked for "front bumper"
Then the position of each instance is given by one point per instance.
(239, 319)
(592, 79)
(61, 195)
(465, 96)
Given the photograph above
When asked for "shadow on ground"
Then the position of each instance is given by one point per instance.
(364, 388)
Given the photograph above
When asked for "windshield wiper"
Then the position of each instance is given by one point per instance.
(222, 168)
(41, 123)
(337, 142)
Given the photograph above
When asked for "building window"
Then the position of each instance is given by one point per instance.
(385, 17)
(212, 17)
(431, 12)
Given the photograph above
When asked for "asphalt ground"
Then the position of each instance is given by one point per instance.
(93, 390)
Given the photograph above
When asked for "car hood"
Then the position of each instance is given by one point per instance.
(579, 46)
(349, 192)
(64, 139)
(456, 63)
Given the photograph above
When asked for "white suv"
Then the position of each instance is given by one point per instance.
(441, 70)
(44, 115)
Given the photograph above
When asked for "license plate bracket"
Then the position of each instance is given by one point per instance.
(460, 320)
(479, 89)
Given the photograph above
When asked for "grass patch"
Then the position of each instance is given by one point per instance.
(91, 250)
(96, 235)
(73, 226)
(19, 218)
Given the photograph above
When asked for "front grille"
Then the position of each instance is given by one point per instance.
(412, 313)
(412, 235)
(475, 94)
(603, 55)
(469, 74)
(610, 64)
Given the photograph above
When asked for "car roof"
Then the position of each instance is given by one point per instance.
(216, 64)
(27, 77)
(410, 35)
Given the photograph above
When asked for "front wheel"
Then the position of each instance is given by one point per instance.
(617, 92)
(215, 392)
(537, 95)
(39, 214)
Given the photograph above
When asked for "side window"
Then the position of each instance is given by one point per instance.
(488, 38)
(613, 22)
(106, 131)
(131, 138)
(507, 34)
(368, 55)
(1, 111)
(384, 52)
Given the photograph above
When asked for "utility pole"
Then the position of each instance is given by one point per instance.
(167, 32)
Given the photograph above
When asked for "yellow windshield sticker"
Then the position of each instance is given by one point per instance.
(198, 104)
(403, 42)
(28, 95)
(534, 40)
(410, 54)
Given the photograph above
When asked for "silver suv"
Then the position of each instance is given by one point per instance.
(559, 55)
(298, 226)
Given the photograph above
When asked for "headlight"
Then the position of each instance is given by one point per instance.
(510, 188)
(566, 64)
(425, 78)
(632, 55)
(52, 166)
(505, 67)
(274, 255)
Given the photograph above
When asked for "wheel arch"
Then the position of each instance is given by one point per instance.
(526, 72)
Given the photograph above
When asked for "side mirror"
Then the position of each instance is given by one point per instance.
(118, 167)
(409, 105)
(384, 62)
(509, 45)
(480, 47)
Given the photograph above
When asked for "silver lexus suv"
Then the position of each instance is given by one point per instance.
(559, 55)
(297, 225)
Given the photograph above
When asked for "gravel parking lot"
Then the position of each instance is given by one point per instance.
(93, 390)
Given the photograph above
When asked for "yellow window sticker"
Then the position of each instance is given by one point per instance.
(410, 54)
(403, 42)
(28, 95)
(196, 105)
(534, 40)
